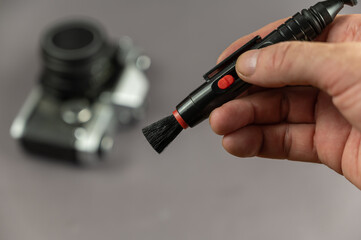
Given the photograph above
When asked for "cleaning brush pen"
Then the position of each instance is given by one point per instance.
(222, 83)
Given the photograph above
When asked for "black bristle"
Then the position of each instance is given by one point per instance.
(160, 134)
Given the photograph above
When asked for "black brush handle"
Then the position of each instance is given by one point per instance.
(222, 82)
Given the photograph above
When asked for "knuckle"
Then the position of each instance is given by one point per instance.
(353, 28)
(284, 106)
(346, 28)
(281, 57)
(340, 70)
(287, 141)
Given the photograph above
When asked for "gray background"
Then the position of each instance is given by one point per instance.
(194, 190)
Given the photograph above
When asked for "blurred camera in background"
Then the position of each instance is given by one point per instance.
(88, 86)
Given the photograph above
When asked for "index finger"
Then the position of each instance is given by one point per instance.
(243, 40)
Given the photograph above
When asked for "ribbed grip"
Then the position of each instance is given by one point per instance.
(303, 26)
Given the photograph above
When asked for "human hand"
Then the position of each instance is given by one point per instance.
(311, 109)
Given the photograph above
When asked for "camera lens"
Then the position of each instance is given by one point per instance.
(73, 38)
(78, 59)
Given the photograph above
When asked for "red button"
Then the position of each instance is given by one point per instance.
(225, 82)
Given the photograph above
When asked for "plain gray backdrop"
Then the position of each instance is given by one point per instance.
(194, 190)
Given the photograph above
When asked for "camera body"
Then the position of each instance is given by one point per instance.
(88, 87)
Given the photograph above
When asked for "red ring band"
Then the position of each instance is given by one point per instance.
(180, 119)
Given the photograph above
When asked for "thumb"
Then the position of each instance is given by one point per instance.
(332, 67)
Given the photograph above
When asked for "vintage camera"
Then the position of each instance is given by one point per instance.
(88, 86)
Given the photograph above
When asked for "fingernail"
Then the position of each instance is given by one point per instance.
(247, 62)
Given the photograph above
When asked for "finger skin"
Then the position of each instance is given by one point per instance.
(333, 68)
(331, 133)
(328, 140)
(282, 141)
(290, 104)
(303, 63)
(345, 28)
(351, 164)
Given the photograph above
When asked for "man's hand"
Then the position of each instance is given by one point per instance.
(313, 111)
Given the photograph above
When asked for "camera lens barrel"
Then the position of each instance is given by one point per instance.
(77, 59)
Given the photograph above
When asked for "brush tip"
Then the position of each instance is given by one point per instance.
(160, 134)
